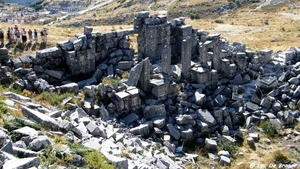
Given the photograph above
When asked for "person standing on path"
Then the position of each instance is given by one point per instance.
(12, 35)
(35, 35)
(30, 35)
(24, 35)
(1, 37)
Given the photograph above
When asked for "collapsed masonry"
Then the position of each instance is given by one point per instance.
(198, 83)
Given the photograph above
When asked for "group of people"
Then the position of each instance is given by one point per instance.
(16, 35)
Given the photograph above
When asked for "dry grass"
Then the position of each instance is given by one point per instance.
(271, 27)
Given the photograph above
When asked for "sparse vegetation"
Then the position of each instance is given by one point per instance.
(53, 98)
(280, 157)
(228, 146)
(269, 129)
(110, 80)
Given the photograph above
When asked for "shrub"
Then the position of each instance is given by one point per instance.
(269, 129)
(53, 98)
(96, 160)
(280, 157)
(17, 123)
(125, 75)
(228, 146)
(110, 80)
(193, 14)
(219, 21)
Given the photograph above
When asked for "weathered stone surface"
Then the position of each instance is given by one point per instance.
(135, 74)
(54, 73)
(154, 111)
(142, 129)
(210, 144)
(27, 131)
(173, 131)
(39, 143)
(69, 88)
(200, 98)
(22, 163)
(41, 118)
(206, 117)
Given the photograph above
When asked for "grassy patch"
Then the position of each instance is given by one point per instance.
(228, 146)
(269, 129)
(109, 80)
(17, 123)
(96, 160)
(279, 157)
(53, 98)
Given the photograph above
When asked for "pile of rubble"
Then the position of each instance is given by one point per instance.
(183, 85)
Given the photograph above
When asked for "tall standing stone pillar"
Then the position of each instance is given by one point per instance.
(186, 54)
(166, 59)
(145, 75)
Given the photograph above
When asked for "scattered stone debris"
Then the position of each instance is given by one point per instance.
(184, 84)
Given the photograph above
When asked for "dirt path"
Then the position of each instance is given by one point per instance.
(270, 2)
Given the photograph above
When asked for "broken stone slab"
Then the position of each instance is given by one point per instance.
(131, 118)
(187, 134)
(22, 163)
(220, 100)
(224, 160)
(224, 153)
(18, 97)
(159, 122)
(155, 111)
(142, 129)
(199, 98)
(210, 144)
(206, 117)
(41, 118)
(27, 131)
(39, 143)
(54, 73)
(65, 45)
(135, 74)
(93, 143)
(173, 131)
(90, 81)
(255, 136)
(69, 88)
(94, 129)
(124, 65)
(250, 142)
(185, 119)
(23, 152)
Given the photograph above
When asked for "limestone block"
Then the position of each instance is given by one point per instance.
(206, 117)
(173, 131)
(154, 111)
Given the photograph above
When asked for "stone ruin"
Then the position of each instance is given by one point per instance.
(184, 84)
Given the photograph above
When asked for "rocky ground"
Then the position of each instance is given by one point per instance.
(230, 106)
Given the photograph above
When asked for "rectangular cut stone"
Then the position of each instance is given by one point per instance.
(122, 95)
(186, 49)
(145, 75)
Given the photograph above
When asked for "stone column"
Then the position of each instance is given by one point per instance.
(166, 59)
(203, 53)
(186, 49)
(145, 75)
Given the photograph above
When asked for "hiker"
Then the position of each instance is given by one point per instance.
(45, 34)
(8, 34)
(1, 37)
(35, 35)
(12, 35)
(128, 40)
(24, 36)
(30, 35)
(18, 36)
(16, 28)
(42, 36)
